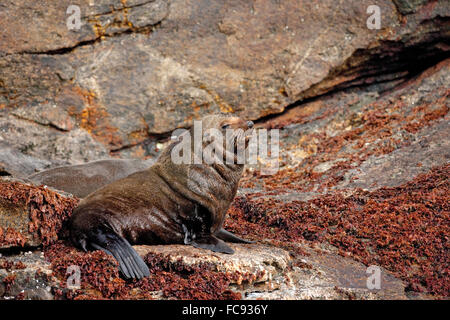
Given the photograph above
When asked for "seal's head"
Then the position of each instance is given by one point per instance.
(228, 136)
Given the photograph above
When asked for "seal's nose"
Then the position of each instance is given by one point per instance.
(250, 124)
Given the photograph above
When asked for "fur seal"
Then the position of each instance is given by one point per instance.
(81, 180)
(168, 203)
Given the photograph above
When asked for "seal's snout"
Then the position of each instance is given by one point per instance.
(250, 124)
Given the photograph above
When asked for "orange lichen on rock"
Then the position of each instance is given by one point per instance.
(95, 119)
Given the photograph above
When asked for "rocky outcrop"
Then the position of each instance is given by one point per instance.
(34, 216)
(26, 276)
(31, 216)
(136, 70)
(366, 172)
(253, 272)
(15, 163)
(364, 150)
(318, 274)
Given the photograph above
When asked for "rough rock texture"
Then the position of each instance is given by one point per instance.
(14, 220)
(14, 162)
(26, 276)
(136, 70)
(264, 262)
(31, 216)
(254, 272)
(366, 170)
(364, 167)
(321, 275)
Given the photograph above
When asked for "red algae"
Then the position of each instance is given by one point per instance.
(48, 211)
(404, 229)
(11, 237)
(10, 265)
(8, 281)
(100, 278)
(98, 271)
(374, 131)
(181, 281)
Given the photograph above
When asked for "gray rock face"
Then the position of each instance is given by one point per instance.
(14, 162)
(32, 280)
(322, 274)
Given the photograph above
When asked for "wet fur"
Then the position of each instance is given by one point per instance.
(165, 204)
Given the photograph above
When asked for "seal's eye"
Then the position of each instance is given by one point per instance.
(225, 126)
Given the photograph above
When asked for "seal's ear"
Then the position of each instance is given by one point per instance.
(212, 243)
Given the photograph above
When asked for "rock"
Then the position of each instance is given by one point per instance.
(409, 6)
(46, 27)
(31, 216)
(15, 218)
(430, 148)
(47, 115)
(332, 276)
(267, 262)
(29, 278)
(322, 274)
(325, 166)
(136, 70)
(373, 141)
(363, 118)
(18, 164)
(60, 147)
(363, 170)
(264, 272)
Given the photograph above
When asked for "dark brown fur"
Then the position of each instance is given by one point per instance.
(165, 204)
(83, 179)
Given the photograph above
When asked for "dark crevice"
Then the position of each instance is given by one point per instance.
(48, 125)
(60, 51)
(391, 62)
(15, 250)
(405, 8)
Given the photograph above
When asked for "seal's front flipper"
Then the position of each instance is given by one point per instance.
(130, 263)
(211, 243)
(229, 237)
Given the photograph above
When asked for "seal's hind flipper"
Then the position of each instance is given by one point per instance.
(229, 237)
(211, 243)
(130, 263)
